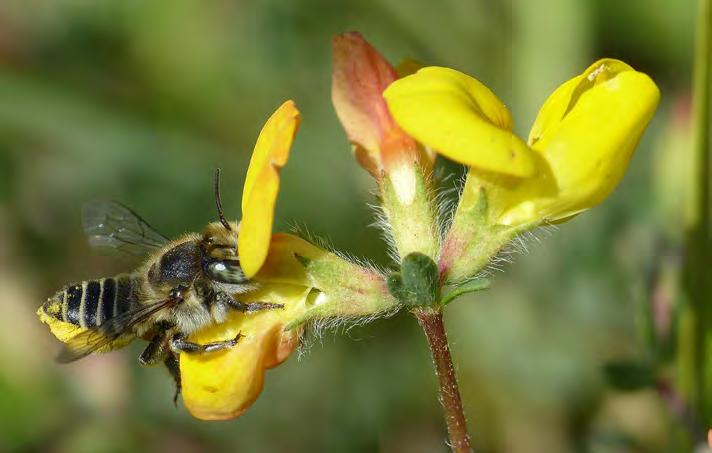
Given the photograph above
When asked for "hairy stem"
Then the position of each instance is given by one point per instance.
(431, 320)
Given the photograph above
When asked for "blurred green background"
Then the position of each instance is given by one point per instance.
(139, 101)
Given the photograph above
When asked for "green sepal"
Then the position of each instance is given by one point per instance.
(481, 209)
(417, 282)
(470, 286)
(396, 288)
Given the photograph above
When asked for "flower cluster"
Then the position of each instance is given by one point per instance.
(575, 155)
(398, 120)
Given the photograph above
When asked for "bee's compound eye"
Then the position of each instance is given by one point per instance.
(226, 271)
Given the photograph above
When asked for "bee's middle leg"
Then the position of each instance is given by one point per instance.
(156, 351)
(180, 344)
(245, 307)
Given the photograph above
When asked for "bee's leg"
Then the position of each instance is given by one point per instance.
(180, 344)
(171, 363)
(157, 348)
(245, 307)
(155, 352)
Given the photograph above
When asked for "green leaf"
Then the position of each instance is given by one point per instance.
(469, 286)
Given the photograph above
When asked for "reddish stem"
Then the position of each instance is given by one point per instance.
(432, 323)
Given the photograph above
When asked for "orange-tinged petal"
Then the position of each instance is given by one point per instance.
(460, 118)
(262, 186)
(359, 77)
(222, 385)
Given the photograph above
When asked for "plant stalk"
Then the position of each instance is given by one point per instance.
(431, 320)
(699, 241)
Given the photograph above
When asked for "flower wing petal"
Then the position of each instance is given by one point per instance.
(460, 118)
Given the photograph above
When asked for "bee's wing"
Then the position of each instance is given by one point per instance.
(109, 224)
(92, 340)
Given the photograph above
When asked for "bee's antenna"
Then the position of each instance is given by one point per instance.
(218, 200)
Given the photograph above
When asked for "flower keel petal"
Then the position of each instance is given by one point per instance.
(222, 385)
(588, 147)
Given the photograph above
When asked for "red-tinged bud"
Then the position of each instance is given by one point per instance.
(359, 78)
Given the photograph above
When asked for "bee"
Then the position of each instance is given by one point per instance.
(182, 286)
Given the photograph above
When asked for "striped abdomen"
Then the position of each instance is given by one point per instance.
(89, 304)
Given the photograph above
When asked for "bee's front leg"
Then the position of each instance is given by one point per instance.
(180, 344)
(249, 307)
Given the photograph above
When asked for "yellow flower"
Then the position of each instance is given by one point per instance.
(307, 280)
(224, 384)
(577, 150)
(576, 154)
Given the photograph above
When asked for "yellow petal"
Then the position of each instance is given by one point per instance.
(282, 265)
(553, 109)
(587, 131)
(564, 97)
(262, 186)
(460, 118)
(222, 385)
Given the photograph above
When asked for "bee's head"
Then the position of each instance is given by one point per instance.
(219, 244)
